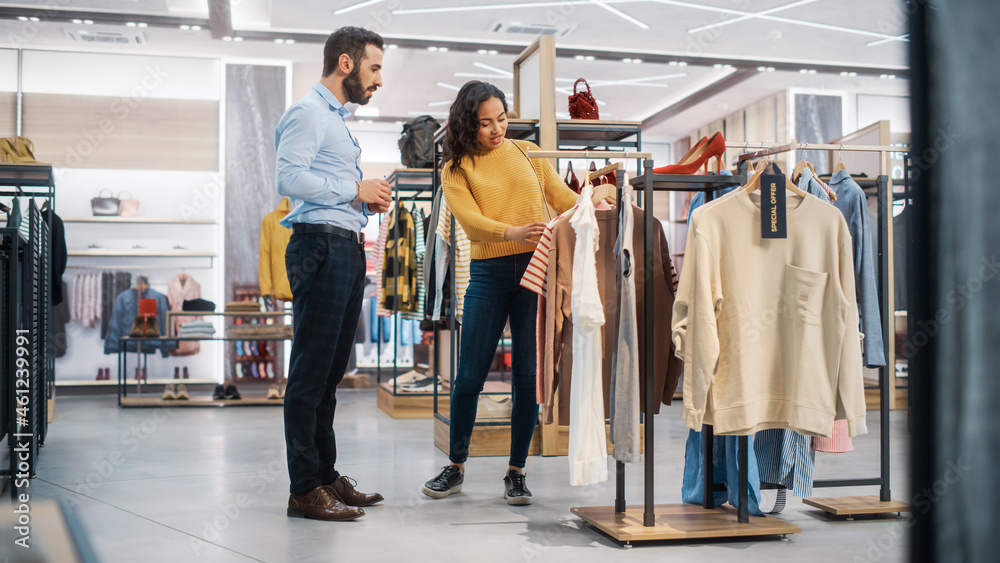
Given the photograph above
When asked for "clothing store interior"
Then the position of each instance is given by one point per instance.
(820, 169)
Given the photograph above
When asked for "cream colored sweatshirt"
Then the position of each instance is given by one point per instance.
(771, 337)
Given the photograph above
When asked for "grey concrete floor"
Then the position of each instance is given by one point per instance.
(211, 485)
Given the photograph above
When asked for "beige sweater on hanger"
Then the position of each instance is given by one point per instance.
(772, 336)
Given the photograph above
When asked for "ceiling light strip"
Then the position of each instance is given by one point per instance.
(357, 6)
(905, 38)
(620, 14)
(751, 16)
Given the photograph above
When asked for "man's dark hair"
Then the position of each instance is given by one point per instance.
(351, 41)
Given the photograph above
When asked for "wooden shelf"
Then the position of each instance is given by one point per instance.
(486, 440)
(680, 522)
(410, 405)
(195, 401)
(102, 252)
(142, 220)
(853, 506)
(158, 381)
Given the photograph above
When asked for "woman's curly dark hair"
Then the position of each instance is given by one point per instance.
(463, 120)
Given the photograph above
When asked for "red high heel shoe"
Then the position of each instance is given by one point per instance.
(714, 146)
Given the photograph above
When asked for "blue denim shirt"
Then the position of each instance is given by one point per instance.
(318, 163)
(810, 184)
(851, 202)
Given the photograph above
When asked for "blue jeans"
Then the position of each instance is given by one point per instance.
(494, 294)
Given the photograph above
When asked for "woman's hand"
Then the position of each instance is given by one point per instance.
(527, 234)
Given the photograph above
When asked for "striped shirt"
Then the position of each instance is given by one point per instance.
(463, 256)
(534, 275)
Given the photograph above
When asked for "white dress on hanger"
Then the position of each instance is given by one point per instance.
(588, 451)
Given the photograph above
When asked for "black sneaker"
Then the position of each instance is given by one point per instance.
(515, 491)
(219, 394)
(232, 393)
(447, 482)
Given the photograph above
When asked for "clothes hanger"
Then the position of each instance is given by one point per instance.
(840, 162)
(800, 167)
(754, 183)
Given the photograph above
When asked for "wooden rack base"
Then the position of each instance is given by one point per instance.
(680, 522)
(409, 405)
(205, 401)
(854, 506)
(487, 441)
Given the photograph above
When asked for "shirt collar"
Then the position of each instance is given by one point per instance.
(331, 99)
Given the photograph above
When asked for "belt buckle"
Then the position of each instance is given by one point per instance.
(361, 238)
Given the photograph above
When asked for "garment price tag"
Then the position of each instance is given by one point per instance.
(772, 206)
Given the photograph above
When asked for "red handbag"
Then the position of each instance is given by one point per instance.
(582, 105)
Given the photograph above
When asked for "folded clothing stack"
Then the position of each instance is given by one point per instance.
(256, 331)
(197, 328)
(243, 307)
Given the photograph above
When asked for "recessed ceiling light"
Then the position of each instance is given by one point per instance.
(432, 49)
(626, 60)
(682, 63)
(185, 27)
(77, 22)
(852, 74)
(770, 69)
(717, 65)
(34, 18)
(237, 39)
(129, 24)
(227, 38)
(727, 67)
(637, 61)
(482, 51)
(590, 57)
(25, 18)
(195, 28)
(579, 57)
(804, 71)
(762, 69)
(812, 71)
(279, 41)
(143, 24)
(289, 41)
(845, 73)
(672, 63)
(393, 46)
(892, 77)
(88, 22)
(443, 49)
(492, 52)
(400, 123)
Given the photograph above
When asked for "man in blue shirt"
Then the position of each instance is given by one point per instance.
(318, 168)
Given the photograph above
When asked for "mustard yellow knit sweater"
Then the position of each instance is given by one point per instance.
(502, 190)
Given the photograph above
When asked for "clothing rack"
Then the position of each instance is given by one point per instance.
(883, 504)
(413, 181)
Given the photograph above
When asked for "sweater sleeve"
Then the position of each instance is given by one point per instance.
(850, 381)
(682, 300)
(703, 333)
(264, 260)
(477, 226)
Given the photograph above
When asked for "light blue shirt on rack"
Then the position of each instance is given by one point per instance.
(318, 163)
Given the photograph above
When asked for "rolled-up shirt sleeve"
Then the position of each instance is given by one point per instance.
(298, 142)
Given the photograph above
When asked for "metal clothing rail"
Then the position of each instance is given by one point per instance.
(402, 181)
(882, 186)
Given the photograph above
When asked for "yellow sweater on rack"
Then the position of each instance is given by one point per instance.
(503, 189)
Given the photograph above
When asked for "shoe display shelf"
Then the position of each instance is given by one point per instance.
(140, 399)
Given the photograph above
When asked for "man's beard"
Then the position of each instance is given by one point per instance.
(355, 90)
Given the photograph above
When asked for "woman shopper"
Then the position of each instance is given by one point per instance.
(496, 193)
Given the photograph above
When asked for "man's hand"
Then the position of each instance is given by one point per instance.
(527, 234)
(379, 208)
(376, 193)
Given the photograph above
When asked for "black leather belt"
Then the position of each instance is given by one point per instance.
(305, 228)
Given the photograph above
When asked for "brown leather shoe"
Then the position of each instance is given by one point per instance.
(343, 487)
(321, 504)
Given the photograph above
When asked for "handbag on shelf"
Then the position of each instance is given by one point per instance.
(103, 206)
(582, 105)
(127, 207)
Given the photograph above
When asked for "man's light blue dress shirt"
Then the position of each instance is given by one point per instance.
(318, 163)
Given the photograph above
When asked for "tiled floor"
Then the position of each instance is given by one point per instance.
(210, 485)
